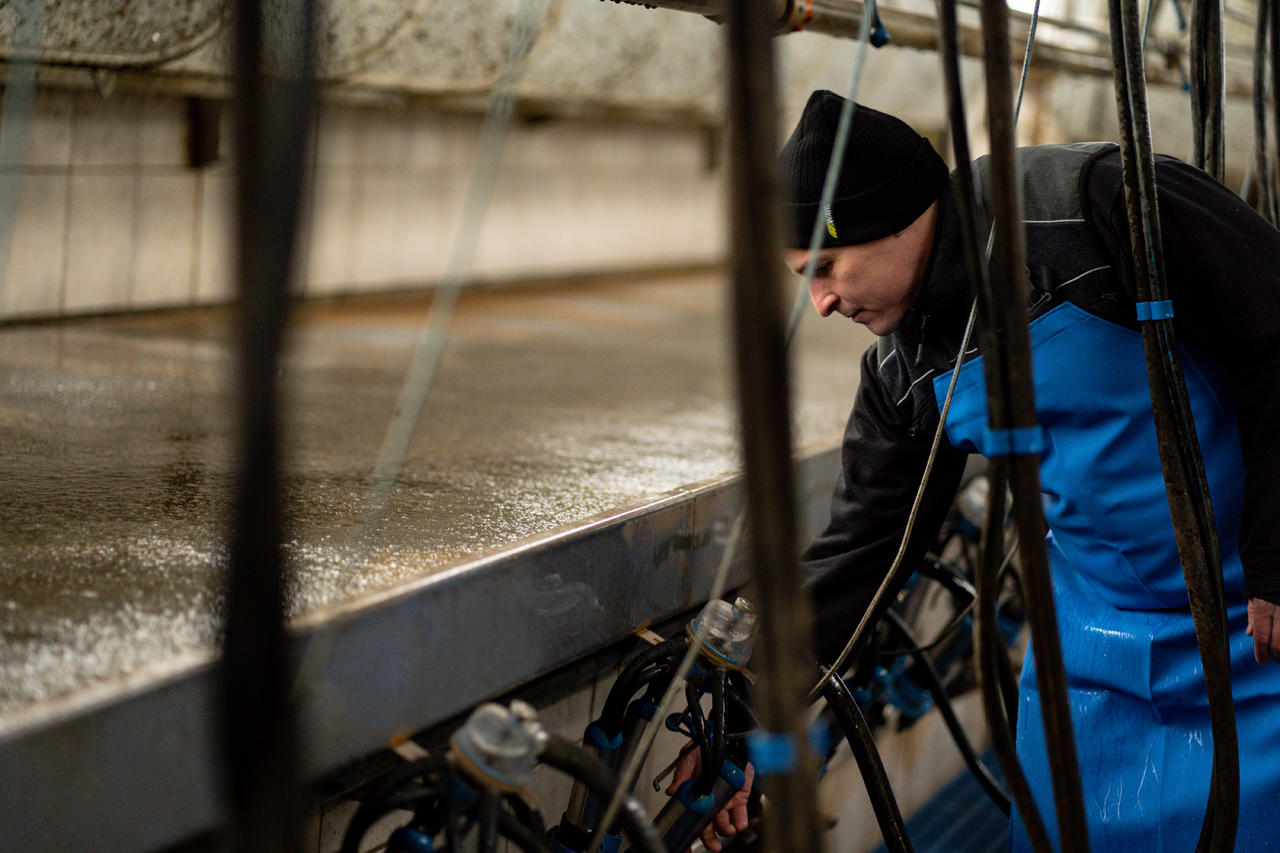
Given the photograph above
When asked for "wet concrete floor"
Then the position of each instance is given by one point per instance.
(553, 404)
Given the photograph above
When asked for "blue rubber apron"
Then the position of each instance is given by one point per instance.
(1135, 683)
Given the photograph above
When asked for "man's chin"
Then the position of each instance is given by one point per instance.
(878, 326)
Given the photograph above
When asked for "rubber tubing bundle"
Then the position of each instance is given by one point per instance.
(1186, 484)
(1208, 81)
(1010, 405)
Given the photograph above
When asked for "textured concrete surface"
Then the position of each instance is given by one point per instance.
(553, 405)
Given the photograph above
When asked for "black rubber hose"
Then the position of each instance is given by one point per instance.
(1006, 344)
(1207, 78)
(633, 677)
(1262, 166)
(527, 814)
(453, 833)
(256, 713)
(573, 760)
(487, 821)
(879, 790)
(718, 683)
(1062, 750)
(377, 803)
(940, 698)
(1007, 679)
(987, 647)
(1186, 483)
(1273, 51)
(701, 737)
(744, 710)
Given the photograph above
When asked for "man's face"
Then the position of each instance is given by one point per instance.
(871, 283)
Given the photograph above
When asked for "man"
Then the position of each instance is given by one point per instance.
(892, 260)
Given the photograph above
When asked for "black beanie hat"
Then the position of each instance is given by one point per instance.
(890, 175)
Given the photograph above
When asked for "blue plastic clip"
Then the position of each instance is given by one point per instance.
(771, 752)
(595, 736)
(732, 774)
(697, 804)
(774, 752)
(1011, 442)
(1162, 310)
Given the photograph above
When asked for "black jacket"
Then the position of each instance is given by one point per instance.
(1223, 274)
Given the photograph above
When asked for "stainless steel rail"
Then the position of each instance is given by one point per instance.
(86, 772)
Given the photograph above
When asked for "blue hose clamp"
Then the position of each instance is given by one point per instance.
(772, 752)
(696, 804)
(594, 736)
(775, 752)
(1162, 310)
(1012, 442)
(407, 840)
(642, 708)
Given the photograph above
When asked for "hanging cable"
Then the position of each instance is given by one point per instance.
(721, 578)
(1262, 167)
(985, 632)
(1273, 51)
(1208, 81)
(275, 94)
(933, 681)
(863, 745)
(425, 361)
(19, 101)
(430, 346)
(879, 601)
(1011, 419)
(1186, 483)
(581, 765)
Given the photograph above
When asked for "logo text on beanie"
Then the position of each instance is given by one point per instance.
(831, 223)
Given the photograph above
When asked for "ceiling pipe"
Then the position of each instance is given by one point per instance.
(842, 18)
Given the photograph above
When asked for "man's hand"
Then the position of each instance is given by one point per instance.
(732, 819)
(1264, 627)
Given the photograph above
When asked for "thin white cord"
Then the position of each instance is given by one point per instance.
(530, 17)
(895, 568)
(19, 103)
(720, 581)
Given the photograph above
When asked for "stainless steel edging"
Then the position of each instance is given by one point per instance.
(130, 765)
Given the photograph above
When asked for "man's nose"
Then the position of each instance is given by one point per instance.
(823, 300)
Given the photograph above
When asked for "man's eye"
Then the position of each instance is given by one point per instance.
(822, 271)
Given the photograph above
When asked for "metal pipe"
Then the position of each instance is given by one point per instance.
(764, 404)
(842, 18)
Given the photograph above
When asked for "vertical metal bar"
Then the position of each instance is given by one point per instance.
(758, 315)
(274, 73)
